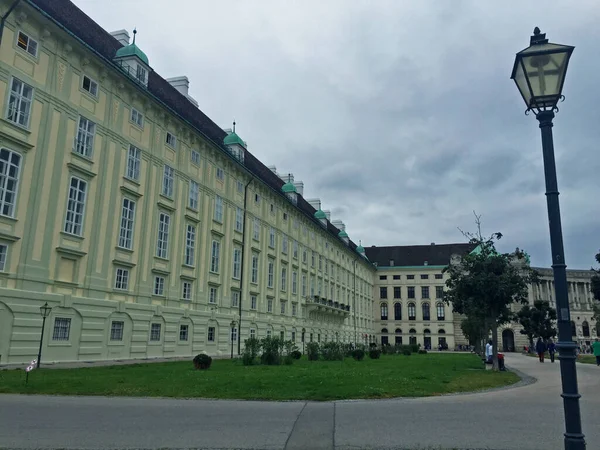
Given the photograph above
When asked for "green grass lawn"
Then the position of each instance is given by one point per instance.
(390, 376)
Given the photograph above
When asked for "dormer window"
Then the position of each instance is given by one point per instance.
(141, 74)
(171, 140)
(133, 61)
(235, 145)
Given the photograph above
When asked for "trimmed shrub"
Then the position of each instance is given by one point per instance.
(348, 349)
(251, 351)
(387, 349)
(422, 352)
(272, 348)
(312, 350)
(202, 361)
(332, 351)
(414, 348)
(407, 351)
(374, 353)
(358, 354)
(296, 354)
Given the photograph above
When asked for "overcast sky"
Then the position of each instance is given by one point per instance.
(399, 115)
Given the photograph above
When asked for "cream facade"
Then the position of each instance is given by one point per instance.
(141, 230)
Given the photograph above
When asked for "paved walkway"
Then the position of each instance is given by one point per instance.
(503, 419)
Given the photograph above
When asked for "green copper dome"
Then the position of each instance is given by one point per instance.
(360, 249)
(320, 215)
(232, 139)
(288, 188)
(132, 50)
(342, 234)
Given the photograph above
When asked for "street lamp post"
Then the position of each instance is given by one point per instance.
(303, 333)
(233, 324)
(539, 73)
(45, 312)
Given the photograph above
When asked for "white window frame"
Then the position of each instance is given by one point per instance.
(294, 282)
(239, 219)
(3, 256)
(193, 197)
(134, 162)
(284, 244)
(117, 330)
(29, 49)
(168, 181)
(184, 330)
(210, 334)
(284, 279)
(233, 332)
(162, 239)
(19, 103)
(84, 141)
(155, 332)
(294, 311)
(240, 187)
(282, 306)
(220, 174)
(295, 249)
(213, 295)
(122, 279)
(186, 290)
(256, 229)
(127, 223)
(137, 118)
(62, 329)
(75, 211)
(254, 270)
(10, 174)
(159, 286)
(237, 263)
(269, 308)
(190, 245)
(270, 273)
(272, 237)
(252, 333)
(93, 86)
(215, 255)
(171, 140)
(303, 292)
(253, 301)
(141, 74)
(218, 214)
(235, 299)
(195, 157)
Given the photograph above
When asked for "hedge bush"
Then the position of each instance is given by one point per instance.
(358, 354)
(422, 352)
(202, 361)
(374, 353)
(296, 354)
(312, 350)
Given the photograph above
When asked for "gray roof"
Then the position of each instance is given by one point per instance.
(417, 255)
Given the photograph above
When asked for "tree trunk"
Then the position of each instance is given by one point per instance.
(495, 345)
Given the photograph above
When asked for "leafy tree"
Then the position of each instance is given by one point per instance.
(596, 291)
(485, 283)
(475, 331)
(537, 320)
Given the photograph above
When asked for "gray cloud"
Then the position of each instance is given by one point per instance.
(400, 116)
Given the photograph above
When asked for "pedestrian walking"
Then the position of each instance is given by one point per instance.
(551, 350)
(596, 347)
(540, 348)
(489, 352)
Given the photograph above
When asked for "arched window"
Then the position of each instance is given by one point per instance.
(441, 313)
(412, 331)
(397, 311)
(426, 331)
(384, 311)
(573, 328)
(412, 311)
(384, 331)
(585, 327)
(398, 331)
(441, 331)
(426, 311)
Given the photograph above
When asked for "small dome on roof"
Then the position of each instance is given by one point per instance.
(132, 50)
(360, 248)
(233, 139)
(288, 188)
(342, 234)
(320, 215)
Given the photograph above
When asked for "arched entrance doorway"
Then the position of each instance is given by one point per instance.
(508, 340)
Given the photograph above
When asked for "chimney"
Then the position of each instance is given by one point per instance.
(338, 224)
(328, 215)
(299, 187)
(433, 243)
(122, 36)
(314, 202)
(182, 84)
(272, 169)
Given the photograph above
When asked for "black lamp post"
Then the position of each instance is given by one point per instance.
(539, 73)
(233, 324)
(45, 312)
(303, 333)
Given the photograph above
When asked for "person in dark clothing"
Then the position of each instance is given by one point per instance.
(551, 350)
(540, 348)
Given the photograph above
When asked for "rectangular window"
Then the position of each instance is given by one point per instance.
(272, 237)
(186, 290)
(194, 189)
(10, 170)
(270, 274)
(439, 292)
(396, 277)
(168, 180)
(439, 276)
(284, 278)
(3, 253)
(284, 245)
(134, 159)
(257, 199)
(294, 282)
(320, 263)
(171, 140)
(253, 302)
(28, 44)
(295, 249)
(424, 291)
(410, 277)
(218, 216)
(140, 74)
(122, 279)
(75, 206)
(254, 275)
(137, 117)
(237, 262)
(90, 86)
(256, 229)
(62, 328)
(285, 216)
(159, 286)
(213, 295)
(195, 157)
(397, 291)
(155, 332)
(240, 187)
(215, 256)
(304, 256)
(220, 174)
(233, 333)
(303, 285)
(19, 103)
(239, 219)
(252, 333)
(211, 334)
(383, 292)
(127, 219)
(410, 291)
(162, 244)
(283, 307)
(84, 142)
(190, 245)
(383, 277)
(272, 208)
(294, 310)
(116, 330)
(424, 277)
(270, 305)
(183, 332)
(235, 299)
(312, 259)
